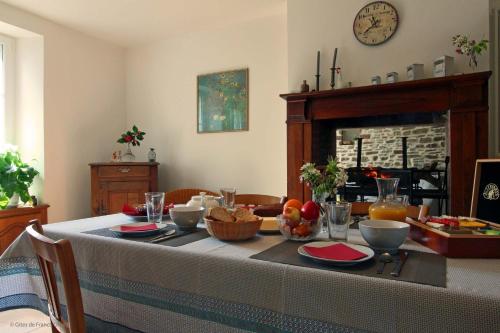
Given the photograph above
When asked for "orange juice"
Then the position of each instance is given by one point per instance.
(387, 212)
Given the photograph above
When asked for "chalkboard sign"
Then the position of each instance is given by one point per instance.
(486, 193)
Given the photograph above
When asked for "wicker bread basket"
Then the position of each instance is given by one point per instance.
(232, 231)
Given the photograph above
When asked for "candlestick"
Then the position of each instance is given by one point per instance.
(317, 72)
(333, 69)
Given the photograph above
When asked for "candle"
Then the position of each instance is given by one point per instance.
(317, 64)
(334, 58)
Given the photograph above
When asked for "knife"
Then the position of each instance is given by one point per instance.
(163, 234)
(161, 239)
(403, 255)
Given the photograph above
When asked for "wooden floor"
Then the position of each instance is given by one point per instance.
(24, 321)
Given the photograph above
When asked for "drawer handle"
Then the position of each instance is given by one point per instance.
(124, 170)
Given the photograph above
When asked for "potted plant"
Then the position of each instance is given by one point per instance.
(133, 137)
(16, 177)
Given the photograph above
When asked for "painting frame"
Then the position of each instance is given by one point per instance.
(477, 209)
(203, 110)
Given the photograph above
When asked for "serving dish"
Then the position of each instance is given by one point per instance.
(456, 245)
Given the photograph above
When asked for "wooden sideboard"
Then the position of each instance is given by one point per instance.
(13, 221)
(116, 184)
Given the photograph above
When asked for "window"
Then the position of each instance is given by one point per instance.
(2, 94)
(6, 89)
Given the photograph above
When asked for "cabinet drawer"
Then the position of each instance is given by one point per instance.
(124, 171)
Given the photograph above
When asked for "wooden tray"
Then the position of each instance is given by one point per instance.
(455, 245)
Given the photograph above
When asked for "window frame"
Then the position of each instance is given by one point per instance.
(7, 120)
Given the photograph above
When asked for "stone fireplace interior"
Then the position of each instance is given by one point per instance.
(412, 147)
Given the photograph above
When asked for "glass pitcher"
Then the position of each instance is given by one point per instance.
(387, 206)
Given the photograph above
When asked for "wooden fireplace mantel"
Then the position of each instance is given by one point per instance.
(464, 96)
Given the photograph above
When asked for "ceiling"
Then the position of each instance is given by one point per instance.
(131, 22)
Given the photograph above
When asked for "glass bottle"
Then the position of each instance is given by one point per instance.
(152, 155)
(387, 206)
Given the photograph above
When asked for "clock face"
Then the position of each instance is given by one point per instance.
(375, 23)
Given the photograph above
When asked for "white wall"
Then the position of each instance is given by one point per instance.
(84, 94)
(424, 33)
(161, 99)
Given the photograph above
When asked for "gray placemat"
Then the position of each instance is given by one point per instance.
(420, 267)
(182, 238)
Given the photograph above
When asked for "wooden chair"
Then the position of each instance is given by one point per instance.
(414, 212)
(50, 253)
(183, 195)
(258, 199)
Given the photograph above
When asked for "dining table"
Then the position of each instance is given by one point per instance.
(202, 284)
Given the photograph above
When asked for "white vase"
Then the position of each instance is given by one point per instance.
(13, 201)
(128, 156)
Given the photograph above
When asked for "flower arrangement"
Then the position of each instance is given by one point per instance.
(133, 137)
(323, 183)
(470, 48)
(16, 176)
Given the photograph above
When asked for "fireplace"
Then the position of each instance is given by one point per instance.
(455, 106)
(411, 147)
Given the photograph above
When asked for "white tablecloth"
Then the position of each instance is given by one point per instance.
(213, 286)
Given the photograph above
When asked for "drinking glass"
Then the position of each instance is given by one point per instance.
(154, 206)
(339, 217)
(229, 194)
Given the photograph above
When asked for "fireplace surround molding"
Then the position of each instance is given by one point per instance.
(464, 97)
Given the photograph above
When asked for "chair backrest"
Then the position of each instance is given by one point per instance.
(60, 253)
(258, 199)
(183, 195)
(414, 212)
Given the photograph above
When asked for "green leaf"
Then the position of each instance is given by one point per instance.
(135, 129)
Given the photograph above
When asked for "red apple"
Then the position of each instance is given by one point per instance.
(310, 211)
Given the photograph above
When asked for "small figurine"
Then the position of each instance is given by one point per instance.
(117, 156)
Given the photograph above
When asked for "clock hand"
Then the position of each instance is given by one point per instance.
(369, 28)
(374, 24)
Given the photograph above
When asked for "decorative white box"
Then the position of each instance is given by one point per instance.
(415, 72)
(392, 77)
(443, 66)
(376, 80)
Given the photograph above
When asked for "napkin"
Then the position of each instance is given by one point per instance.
(337, 251)
(146, 227)
(129, 210)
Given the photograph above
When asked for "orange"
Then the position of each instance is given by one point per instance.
(293, 203)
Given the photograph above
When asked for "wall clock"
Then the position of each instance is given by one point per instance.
(375, 23)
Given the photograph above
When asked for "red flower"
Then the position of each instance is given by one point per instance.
(128, 138)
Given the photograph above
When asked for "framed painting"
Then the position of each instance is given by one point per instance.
(223, 101)
(486, 190)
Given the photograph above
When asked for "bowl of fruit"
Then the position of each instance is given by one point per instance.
(300, 222)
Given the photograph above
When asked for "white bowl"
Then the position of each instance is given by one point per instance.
(186, 217)
(384, 235)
